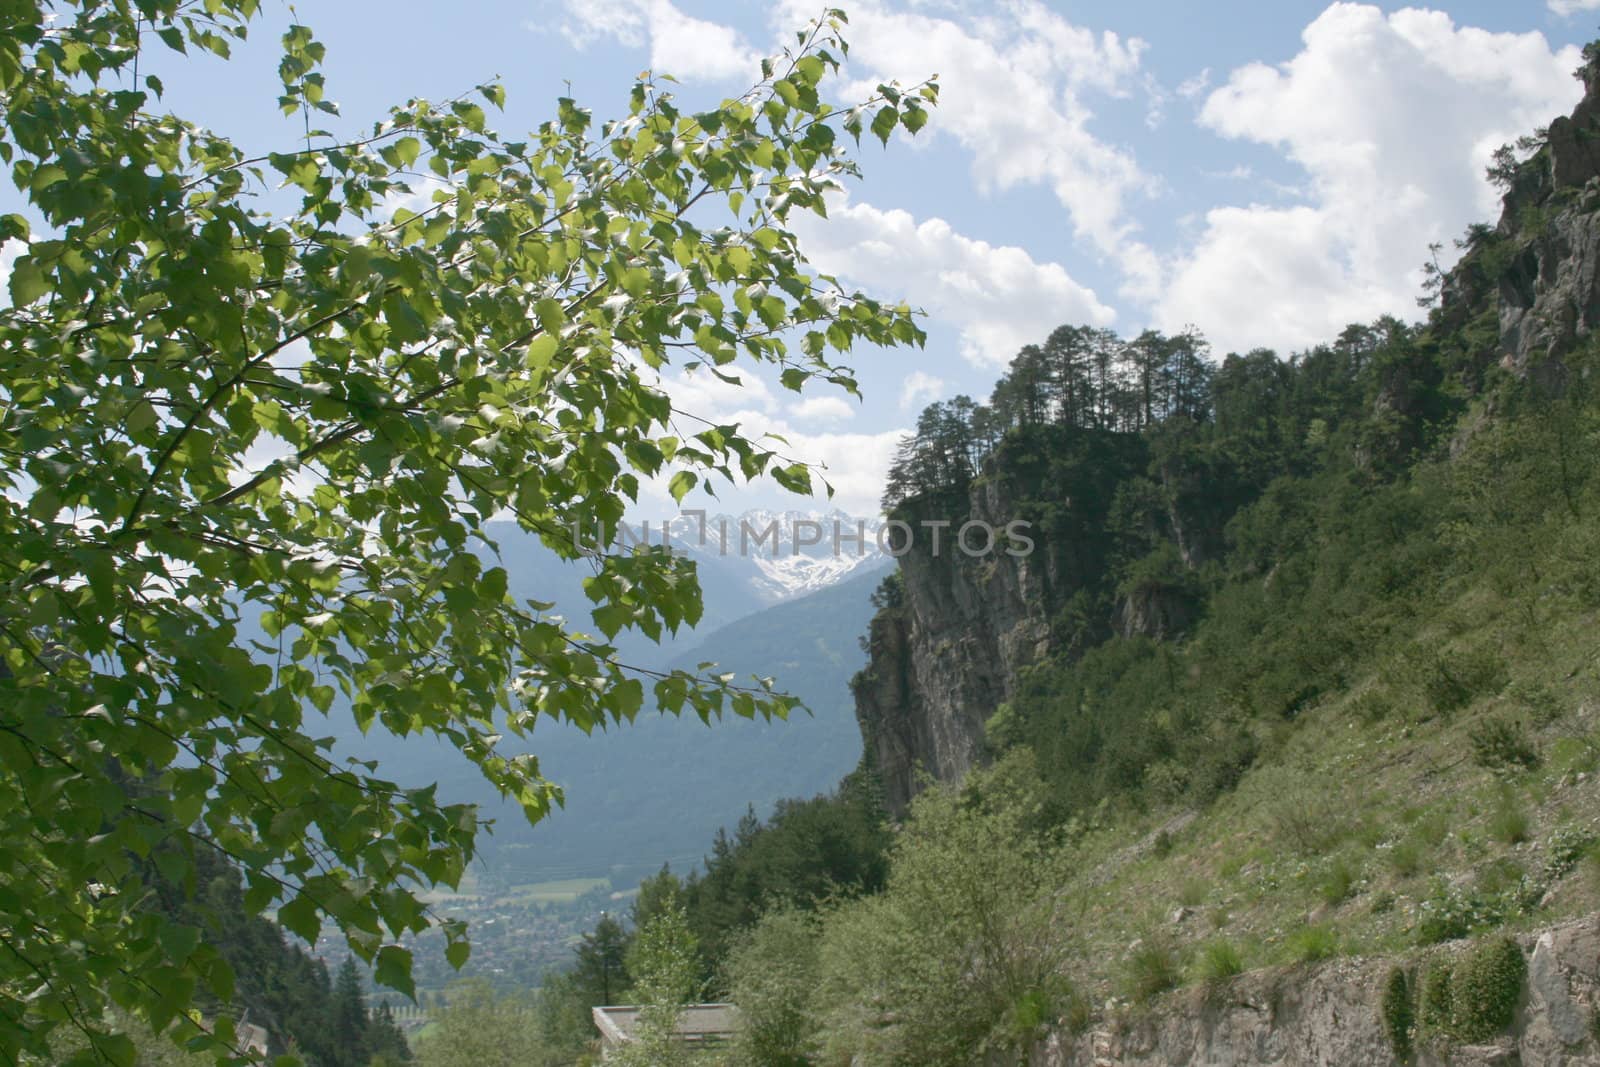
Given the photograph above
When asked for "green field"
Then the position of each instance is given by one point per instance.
(560, 891)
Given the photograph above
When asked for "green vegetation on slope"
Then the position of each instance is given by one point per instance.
(1325, 681)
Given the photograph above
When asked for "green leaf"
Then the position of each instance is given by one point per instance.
(300, 917)
(457, 953)
(28, 281)
(883, 123)
(551, 314)
(541, 350)
(393, 969)
(680, 485)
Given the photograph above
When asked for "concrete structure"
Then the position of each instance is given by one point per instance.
(700, 1025)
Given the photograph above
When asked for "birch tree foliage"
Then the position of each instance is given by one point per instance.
(242, 392)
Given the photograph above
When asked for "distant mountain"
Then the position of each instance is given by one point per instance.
(657, 790)
(779, 555)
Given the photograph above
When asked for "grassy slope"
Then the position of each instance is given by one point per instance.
(1369, 822)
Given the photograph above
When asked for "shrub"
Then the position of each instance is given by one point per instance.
(1502, 744)
(1372, 706)
(1475, 998)
(1543, 704)
(1313, 943)
(1450, 912)
(1435, 1011)
(1152, 969)
(1399, 1014)
(1220, 961)
(1487, 986)
(963, 950)
(1406, 857)
(1192, 892)
(1451, 681)
(1303, 819)
(771, 974)
(1509, 822)
(1338, 883)
(1564, 849)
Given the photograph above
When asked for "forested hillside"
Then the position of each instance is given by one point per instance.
(1302, 667)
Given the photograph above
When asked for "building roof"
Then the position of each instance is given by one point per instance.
(697, 1023)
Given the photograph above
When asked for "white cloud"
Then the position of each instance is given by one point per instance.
(823, 409)
(1393, 118)
(998, 297)
(9, 251)
(1572, 7)
(1196, 86)
(680, 44)
(920, 389)
(855, 464)
(1014, 84)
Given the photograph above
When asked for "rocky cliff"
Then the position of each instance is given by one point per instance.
(1332, 1014)
(1549, 232)
(949, 646)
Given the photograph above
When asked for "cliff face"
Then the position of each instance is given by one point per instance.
(951, 650)
(1332, 1014)
(945, 657)
(1549, 290)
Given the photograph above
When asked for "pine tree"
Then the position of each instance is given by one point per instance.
(351, 1028)
(601, 971)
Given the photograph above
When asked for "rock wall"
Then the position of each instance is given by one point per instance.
(955, 645)
(1329, 1015)
(1550, 289)
(945, 657)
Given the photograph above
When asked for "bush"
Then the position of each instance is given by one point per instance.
(1502, 744)
(1399, 1014)
(771, 975)
(1220, 961)
(962, 954)
(1543, 704)
(1152, 969)
(1451, 682)
(1303, 818)
(1372, 706)
(1487, 986)
(1475, 998)
(1339, 882)
(1435, 1013)
(1313, 943)
(1509, 823)
(1449, 913)
(1565, 847)
(1406, 857)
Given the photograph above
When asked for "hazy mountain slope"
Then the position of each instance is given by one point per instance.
(658, 790)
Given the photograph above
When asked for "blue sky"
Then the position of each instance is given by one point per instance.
(1266, 170)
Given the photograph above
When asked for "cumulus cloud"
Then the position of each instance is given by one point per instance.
(1017, 81)
(823, 409)
(1393, 118)
(920, 389)
(998, 297)
(1572, 7)
(680, 44)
